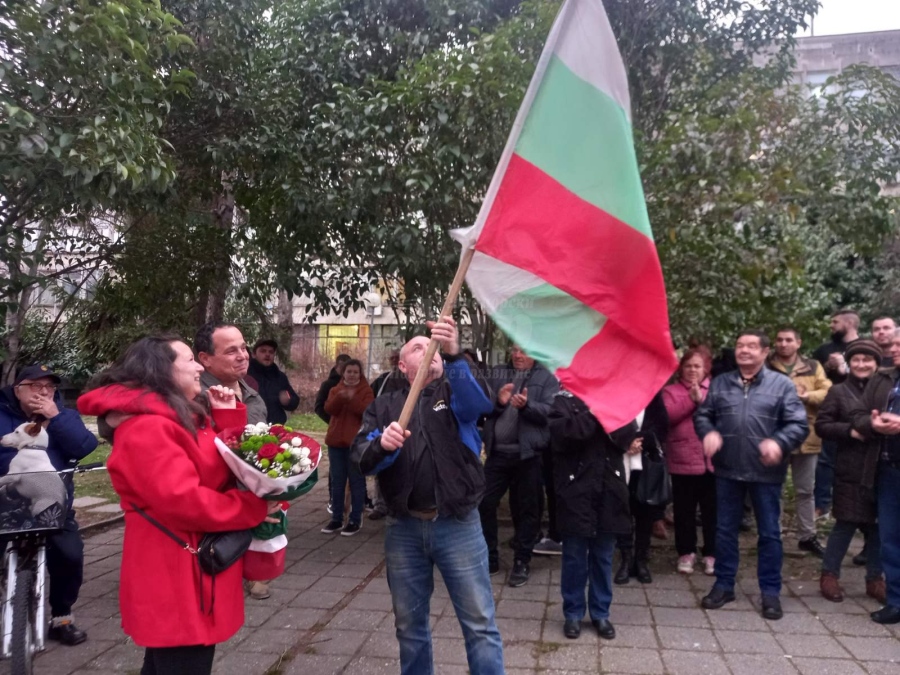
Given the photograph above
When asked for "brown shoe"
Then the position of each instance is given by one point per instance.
(830, 587)
(876, 589)
(659, 530)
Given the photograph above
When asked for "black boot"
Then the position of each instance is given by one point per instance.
(640, 570)
(624, 571)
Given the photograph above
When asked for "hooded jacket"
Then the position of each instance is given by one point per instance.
(346, 414)
(324, 389)
(182, 482)
(70, 440)
(746, 415)
(588, 472)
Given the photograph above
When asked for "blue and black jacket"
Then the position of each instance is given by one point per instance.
(444, 426)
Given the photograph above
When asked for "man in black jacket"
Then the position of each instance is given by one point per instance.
(272, 383)
(431, 479)
(516, 436)
(750, 422)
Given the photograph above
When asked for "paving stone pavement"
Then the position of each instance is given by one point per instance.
(331, 613)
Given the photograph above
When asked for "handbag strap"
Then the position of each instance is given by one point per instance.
(165, 530)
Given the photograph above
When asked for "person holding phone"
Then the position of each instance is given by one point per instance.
(649, 430)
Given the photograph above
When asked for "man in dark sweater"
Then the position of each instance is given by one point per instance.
(272, 383)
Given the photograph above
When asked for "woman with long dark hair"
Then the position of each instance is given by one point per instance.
(164, 462)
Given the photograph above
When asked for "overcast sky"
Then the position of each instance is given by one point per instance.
(856, 16)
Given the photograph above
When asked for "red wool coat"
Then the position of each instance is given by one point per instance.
(184, 484)
(684, 451)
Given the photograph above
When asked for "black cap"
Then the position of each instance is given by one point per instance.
(265, 342)
(36, 372)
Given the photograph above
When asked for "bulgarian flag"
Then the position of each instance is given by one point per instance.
(564, 259)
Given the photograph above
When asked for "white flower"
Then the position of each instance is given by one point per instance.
(305, 463)
(296, 442)
(285, 446)
(300, 453)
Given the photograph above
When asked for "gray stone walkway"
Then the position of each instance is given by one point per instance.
(331, 613)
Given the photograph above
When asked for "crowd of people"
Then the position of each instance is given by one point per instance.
(717, 442)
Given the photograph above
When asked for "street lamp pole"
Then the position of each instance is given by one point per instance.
(372, 301)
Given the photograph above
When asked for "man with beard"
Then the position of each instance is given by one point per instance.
(812, 386)
(883, 329)
(844, 330)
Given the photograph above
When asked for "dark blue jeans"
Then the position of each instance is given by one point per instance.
(65, 566)
(340, 469)
(889, 529)
(766, 501)
(839, 541)
(587, 562)
(825, 475)
(412, 549)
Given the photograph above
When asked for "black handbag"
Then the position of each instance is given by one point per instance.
(216, 552)
(654, 487)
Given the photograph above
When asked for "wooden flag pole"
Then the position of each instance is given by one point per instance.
(419, 383)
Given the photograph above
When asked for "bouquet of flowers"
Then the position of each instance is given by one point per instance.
(272, 461)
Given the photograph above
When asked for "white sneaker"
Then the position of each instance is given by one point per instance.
(709, 566)
(686, 563)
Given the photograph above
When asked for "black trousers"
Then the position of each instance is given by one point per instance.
(65, 567)
(550, 489)
(196, 660)
(522, 478)
(642, 518)
(689, 492)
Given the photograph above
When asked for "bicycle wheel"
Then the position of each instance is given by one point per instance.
(22, 624)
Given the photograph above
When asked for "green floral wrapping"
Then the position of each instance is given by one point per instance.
(271, 530)
(297, 490)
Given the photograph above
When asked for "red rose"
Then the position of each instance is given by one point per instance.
(276, 430)
(268, 451)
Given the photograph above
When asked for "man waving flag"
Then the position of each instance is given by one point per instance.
(564, 257)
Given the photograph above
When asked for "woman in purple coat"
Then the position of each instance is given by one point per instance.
(693, 482)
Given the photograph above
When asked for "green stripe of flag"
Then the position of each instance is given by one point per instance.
(549, 324)
(581, 137)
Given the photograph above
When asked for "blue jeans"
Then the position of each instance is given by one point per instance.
(839, 541)
(587, 562)
(412, 548)
(340, 469)
(766, 501)
(889, 529)
(825, 475)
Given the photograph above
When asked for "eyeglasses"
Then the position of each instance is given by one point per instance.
(38, 387)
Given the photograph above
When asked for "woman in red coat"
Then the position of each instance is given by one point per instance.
(693, 482)
(164, 460)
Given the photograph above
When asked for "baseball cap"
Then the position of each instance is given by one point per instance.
(36, 372)
(265, 342)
